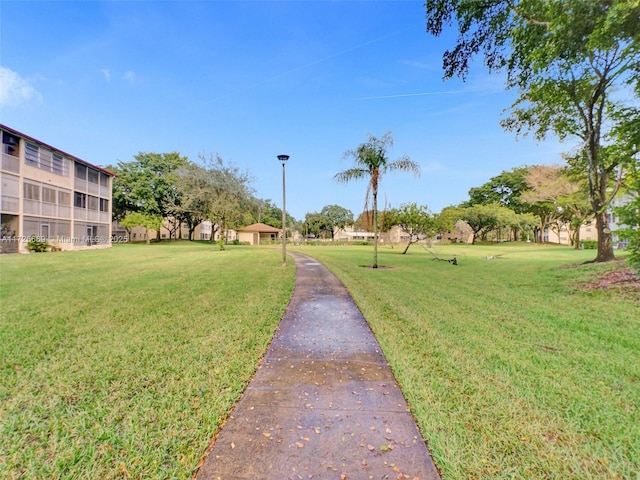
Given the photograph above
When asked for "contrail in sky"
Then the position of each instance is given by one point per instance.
(420, 94)
(315, 62)
(333, 55)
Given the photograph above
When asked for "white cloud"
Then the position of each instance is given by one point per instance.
(106, 73)
(15, 90)
(130, 77)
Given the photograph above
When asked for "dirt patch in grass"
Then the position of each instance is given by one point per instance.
(621, 276)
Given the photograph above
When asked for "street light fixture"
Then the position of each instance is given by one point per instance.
(283, 159)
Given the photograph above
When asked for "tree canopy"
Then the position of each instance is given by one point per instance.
(147, 184)
(145, 220)
(575, 65)
(505, 189)
(336, 217)
(416, 221)
(173, 188)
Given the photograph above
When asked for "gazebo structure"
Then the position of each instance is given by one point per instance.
(258, 233)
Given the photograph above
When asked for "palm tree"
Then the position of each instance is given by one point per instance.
(371, 162)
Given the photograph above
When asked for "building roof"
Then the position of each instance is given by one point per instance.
(260, 228)
(54, 149)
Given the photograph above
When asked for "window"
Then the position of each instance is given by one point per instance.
(31, 154)
(79, 200)
(93, 202)
(10, 188)
(48, 195)
(80, 171)
(57, 165)
(93, 175)
(104, 205)
(64, 198)
(31, 191)
(10, 144)
(104, 180)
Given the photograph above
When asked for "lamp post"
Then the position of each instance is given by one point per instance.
(283, 159)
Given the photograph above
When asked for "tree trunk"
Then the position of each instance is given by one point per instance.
(605, 242)
(598, 181)
(375, 227)
(576, 238)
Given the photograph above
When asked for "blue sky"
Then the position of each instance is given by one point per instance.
(251, 80)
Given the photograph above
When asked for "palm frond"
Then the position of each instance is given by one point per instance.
(351, 174)
(404, 164)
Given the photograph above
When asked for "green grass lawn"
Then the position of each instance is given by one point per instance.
(510, 368)
(122, 363)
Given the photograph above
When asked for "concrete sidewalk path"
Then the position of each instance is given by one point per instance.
(324, 403)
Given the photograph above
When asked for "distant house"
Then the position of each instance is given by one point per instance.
(258, 233)
(562, 233)
(171, 231)
(351, 234)
(588, 230)
(614, 220)
(52, 195)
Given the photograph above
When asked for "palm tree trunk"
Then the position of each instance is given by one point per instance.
(375, 228)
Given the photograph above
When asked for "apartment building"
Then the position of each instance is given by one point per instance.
(52, 195)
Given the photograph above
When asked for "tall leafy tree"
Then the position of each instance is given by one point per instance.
(629, 216)
(505, 189)
(558, 199)
(627, 138)
(567, 59)
(147, 184)
(486, 218)
(145, 220)
(192, 205)
(447, 218)
(336, 217)
(267, 212)
(230, 191)
(416, 221)
(371, 162)
(316, 224)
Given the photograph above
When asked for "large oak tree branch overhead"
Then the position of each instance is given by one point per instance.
(566, 58)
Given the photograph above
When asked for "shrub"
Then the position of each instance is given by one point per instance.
(588, 245)
(629, 215)
(36, 244)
